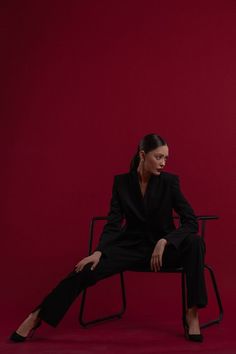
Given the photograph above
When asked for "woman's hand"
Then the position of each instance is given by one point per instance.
(94, 259)
(156, 260)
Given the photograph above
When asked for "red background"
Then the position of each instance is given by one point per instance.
(82, 82)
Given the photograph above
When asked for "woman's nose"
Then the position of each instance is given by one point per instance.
(163, 162)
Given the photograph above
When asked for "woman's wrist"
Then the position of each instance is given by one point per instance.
(97, 253)
(164, 240)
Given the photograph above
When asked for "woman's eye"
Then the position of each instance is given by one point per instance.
(161, 157)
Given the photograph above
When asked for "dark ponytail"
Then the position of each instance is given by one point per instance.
(148, 143)
(134, 162)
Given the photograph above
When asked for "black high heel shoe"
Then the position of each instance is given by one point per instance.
(192, 337)
(17, 338)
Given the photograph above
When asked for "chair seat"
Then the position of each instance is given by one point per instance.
(164, 270)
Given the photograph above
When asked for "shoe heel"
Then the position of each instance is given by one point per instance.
(32, 332)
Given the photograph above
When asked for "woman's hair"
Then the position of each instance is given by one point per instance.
(148, 143)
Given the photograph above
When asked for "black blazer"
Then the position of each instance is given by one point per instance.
(149, 217)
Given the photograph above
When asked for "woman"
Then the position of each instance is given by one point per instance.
(149, 240)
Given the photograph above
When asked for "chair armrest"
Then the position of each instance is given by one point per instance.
(207, 217)
(204, 219)
(91, 230)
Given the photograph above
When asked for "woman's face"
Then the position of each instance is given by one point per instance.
(154, 161)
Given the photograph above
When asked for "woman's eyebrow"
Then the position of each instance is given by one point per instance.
(158, 154)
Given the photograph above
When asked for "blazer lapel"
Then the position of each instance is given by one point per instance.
(136, 193)
(153, 193)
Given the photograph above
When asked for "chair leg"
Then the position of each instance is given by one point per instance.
(183, 289)
(84, 323)
(217, 294)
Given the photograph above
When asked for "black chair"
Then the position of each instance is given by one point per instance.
(203, 219)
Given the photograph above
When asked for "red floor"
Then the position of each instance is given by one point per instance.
(147, 327)
(125, 336)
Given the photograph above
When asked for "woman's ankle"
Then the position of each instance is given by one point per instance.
(35, 314)
(193, 320)
(192, 312)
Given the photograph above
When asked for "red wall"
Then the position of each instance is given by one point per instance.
(82, 82)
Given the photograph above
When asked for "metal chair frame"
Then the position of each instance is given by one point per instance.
(203, 219)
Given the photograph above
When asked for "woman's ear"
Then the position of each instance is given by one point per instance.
(142, 155)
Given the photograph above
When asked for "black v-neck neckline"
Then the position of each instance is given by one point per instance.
(150, 181)
(147, 187)
(152, 194)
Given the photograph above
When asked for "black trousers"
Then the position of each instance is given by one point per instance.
(131, 257)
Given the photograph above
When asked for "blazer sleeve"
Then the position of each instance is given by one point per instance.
(112, 228)
(188, 220)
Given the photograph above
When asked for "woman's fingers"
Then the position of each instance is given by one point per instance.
(94, 265)
(92, 259)
(79, 266)
(160, 260)
(155, 263)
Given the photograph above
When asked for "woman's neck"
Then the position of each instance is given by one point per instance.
(143, 175)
